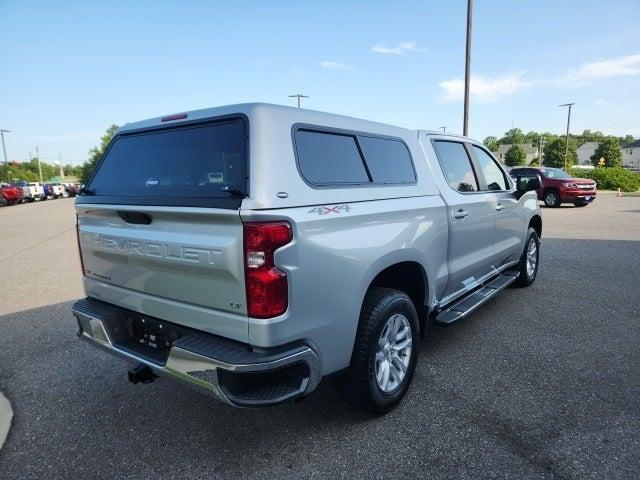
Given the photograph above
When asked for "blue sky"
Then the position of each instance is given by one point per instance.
(70, 69)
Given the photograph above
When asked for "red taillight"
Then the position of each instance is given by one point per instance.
(79, 249)
(266, 285)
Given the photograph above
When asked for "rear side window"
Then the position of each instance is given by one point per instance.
(456, 166)
(327, 158)
(198, 162)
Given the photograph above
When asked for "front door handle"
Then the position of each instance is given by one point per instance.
(499, 208)
(460, 214)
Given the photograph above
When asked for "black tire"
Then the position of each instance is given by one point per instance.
(4, 202)
(358, 384)
(552, 198)
(525, 279)
(580, 204)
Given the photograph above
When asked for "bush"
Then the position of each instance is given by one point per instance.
(610, 178)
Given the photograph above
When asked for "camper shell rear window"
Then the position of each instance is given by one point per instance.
(201, 164)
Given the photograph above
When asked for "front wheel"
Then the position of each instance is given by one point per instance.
(529, 260)
(384, 354)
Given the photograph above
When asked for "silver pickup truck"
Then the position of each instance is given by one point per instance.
(253, 250)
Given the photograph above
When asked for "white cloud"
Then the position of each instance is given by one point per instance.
(331, 65)
(401, 48)
(592, 71)
(485, 89)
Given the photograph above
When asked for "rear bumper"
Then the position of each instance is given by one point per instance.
(230, 372)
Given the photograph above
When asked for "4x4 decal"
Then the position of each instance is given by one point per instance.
(331, 209)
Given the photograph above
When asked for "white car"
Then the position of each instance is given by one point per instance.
(33, 191)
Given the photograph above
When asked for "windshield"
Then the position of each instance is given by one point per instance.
(554, 173)
(188, 163)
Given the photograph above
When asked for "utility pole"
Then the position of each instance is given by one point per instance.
(298, 96)
(467, 69)
(4, 150)
(61, 170)
(540, 162)
(444, 128)
(39, 166)
(566, 145)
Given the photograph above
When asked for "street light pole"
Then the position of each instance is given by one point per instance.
(298, 96)
(4, 150)
(467, 69)
(39, 166)
(566, 144)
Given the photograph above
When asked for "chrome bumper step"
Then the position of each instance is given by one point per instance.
(233, 373)
(469, 303)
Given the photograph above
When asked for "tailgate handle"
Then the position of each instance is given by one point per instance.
(139, 218)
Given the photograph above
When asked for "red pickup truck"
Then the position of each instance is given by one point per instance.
(10, 194)
(557, 186)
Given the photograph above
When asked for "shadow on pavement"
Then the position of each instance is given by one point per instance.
(530, 384)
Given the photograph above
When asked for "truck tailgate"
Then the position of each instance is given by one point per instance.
(185, 265)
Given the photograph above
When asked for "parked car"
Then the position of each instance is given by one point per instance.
(316, 245)
(11, 194)
(557, 186)
(32, 191)
(57, 190)
(71, 189)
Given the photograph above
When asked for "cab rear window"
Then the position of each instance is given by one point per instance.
(187, 166)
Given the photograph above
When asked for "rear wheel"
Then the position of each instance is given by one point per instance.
(384, 354)
(3, 201)
(552, 198)
(529, 260)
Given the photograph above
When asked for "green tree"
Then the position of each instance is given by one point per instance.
(626, 140)
(554, 153)
(515, 156)
(609, 149)
(535, 162)
(96, 153)
(533, 138)
(491, 143)
(513, 136)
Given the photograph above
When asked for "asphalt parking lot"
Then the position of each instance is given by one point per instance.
(541, 382)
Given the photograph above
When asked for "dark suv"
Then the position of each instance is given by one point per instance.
(557, 186)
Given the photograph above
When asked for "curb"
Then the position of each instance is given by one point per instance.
(6, 413)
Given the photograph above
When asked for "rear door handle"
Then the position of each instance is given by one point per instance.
(499, 207)
(460, 214)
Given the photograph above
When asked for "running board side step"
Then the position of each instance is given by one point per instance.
(468, 304)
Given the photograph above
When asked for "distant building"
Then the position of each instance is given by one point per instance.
(530, 150)
(585, 151)
(631, 155)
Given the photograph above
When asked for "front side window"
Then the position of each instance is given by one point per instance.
(492, 173)
(456, 166)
